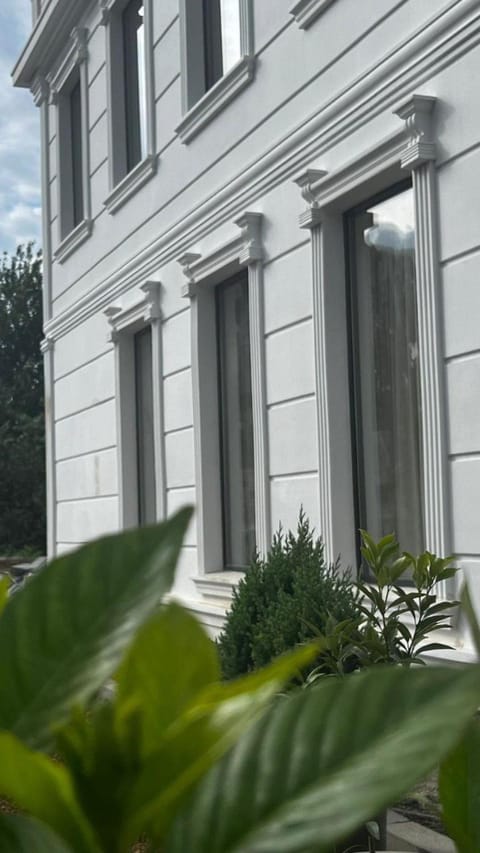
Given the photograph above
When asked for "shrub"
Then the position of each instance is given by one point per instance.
(282, 601)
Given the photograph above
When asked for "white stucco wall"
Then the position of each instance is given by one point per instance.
(311, 105)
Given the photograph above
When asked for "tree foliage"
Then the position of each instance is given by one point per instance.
(22, 442)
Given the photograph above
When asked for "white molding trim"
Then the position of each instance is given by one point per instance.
(124, 184)
(131, 183)
(419, 158)
(437, 43)
(73, 240)
(330, 194)
(216, 99)
(123, 322)
(306, 12)
(203, 272)
(47, 348)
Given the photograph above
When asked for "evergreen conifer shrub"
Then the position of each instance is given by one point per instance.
(284, 600)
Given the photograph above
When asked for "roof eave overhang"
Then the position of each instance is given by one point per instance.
(46, 41)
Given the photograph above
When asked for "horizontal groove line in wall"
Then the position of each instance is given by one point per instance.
(177, 430)
(83, 364)
(469, 355)
(299, 475)
(98, 167)
(166, 88)
(189, 547)
(287, 326)
(71, 545)
(84, 409)
(177, 372)
(178, 489)
(290, 401)
(97, 120)
(468, 454)
(287, 252)
(92, 452)
(89, 498)
(458, 156)
(167, 317)
(467, 557)
(99, 70)
(459, 256)
(166, 30)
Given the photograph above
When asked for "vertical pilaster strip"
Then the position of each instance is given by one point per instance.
(40, 93)
(153, 315)
(259, 409)
(419, 158)
(47, 348)
(150, 79)
(106, 21)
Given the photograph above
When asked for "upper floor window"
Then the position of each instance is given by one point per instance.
(385, 367)
(135, 113)
(221, 28)
(131, 107)
(217, 54)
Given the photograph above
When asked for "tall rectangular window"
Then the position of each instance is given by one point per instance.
(134, 82)
(222, 48)
(76, 153)
(385, 367)
(236, 422)
(144, 426)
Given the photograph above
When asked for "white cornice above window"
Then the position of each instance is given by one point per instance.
(145, 308)
(217, 98)
(243, 249)
(305, 12)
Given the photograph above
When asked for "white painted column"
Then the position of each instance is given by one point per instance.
(419, 158)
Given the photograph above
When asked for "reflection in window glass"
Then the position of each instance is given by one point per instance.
(236, 422)
(230, 16)
(386, 368)
(222, 49)
(76, 153)
(135, 83)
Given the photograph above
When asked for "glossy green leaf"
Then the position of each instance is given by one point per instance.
(171, 660)
(460, 791)
(469, 611)
(327, 759)
(65, 633)
(44, 789)
(4, 587)
(215, 721)
(24, 835)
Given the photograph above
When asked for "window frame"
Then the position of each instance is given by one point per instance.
(411, 148)
(199, 104)
(203, 273)
(124, 321)
(125, 183)
(73, 68)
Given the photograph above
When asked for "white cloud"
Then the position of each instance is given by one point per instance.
(19, 137)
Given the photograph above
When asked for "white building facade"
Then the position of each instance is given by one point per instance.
(262, 274)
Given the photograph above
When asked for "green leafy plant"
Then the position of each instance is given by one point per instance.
(282, 601)
(397, 620)
(172, 754)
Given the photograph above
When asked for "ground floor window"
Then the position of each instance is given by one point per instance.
(144, 426)
(385, 367)
(235, 421)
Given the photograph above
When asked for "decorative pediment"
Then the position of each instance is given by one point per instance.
(144, 309)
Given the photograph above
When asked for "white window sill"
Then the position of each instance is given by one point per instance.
(72, 241)
(218, 586)
(131, 183)
(306, 11)
(217, 98)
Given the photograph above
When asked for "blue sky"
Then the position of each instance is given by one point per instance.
(20, 216)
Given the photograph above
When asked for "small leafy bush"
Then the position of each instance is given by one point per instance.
(283, 601)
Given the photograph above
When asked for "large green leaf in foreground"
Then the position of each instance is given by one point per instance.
(460, 791)
(23, 835)
(65, 633)
(327, 759)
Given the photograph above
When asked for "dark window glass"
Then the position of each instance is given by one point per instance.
(221, 19)
(76, 153)
(236, 423)
(144, 421)
(134, 73)
(385, 368)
